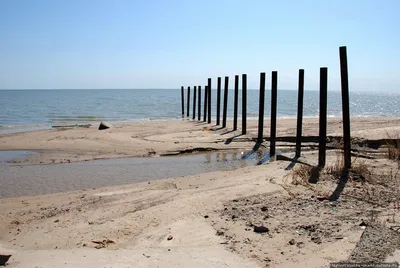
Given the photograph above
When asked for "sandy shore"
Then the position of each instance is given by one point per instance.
(171, 137)
(210, 219)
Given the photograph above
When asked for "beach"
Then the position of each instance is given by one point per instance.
(152, 138)
(208, 219)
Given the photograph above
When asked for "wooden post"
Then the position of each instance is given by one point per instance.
(300, 113)
(183, 101)
(199, 104)
(236, 100)
(218, 101)
(345, 106)
(225, 111)
(274, 97)
(194, 102)
(244, 103)
(323, 90)
(261, 109)
(205, 103)
(188, 101)
(209, 100)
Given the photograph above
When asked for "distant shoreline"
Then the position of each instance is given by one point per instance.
(38, 127)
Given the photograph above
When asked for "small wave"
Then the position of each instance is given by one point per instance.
(22, 128)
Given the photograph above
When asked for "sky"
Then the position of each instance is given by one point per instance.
(99, 44)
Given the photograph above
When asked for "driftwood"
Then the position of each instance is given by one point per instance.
(72, 126)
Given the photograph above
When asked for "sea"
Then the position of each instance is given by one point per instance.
(26, 110)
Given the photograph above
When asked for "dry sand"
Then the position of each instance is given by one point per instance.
(205, 220)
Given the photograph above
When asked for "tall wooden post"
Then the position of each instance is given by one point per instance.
(183, 101)
(244, 103)
(194, 102)
(205, 103)
(323, 91)
(225, 111)
(199, 104)
(345, 106)
(274, 97)
(300, 113)
(218, 101)
(261, 109)
(235, 102)
(209, 100)
(188, 101)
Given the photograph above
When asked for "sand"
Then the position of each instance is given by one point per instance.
(170, 137)
(203, 220)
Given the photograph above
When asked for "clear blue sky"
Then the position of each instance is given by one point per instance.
(165, 44)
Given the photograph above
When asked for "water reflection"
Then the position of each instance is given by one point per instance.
(44, 179)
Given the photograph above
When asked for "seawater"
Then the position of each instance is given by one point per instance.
(22, 110)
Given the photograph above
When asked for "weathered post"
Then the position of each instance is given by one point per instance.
(209, 100)
(188, 101)
(235, 102)
(225, 111)
(274, 97)
(345, 106)
(199, 104)
(194, 102)
(183, 101)
(244, 103)
(323, 90)
(261, 109)
(218, 101)
(300, 113)
(205, 103)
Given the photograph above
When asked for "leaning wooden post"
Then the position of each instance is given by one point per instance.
(225, 111)
(235, 102)
(300, 113)
(218, 101)
(188, 101)
(244, 103)
(183, 101)
(199, 104)
(261, 109)
(209, 101)
(205, 103)
(274, 97)
(323, 90)
(194, 102)
(345, 106)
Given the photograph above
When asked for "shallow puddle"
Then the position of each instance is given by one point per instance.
(44, 179)
(10, 155)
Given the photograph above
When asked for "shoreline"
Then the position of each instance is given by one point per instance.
(14, 129)
(159, 138)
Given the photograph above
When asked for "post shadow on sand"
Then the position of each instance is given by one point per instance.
(341, 185)
(216, 128)
(227, 132)
(315, 174)
(200, 123)
(293, 162)
(229, 140)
